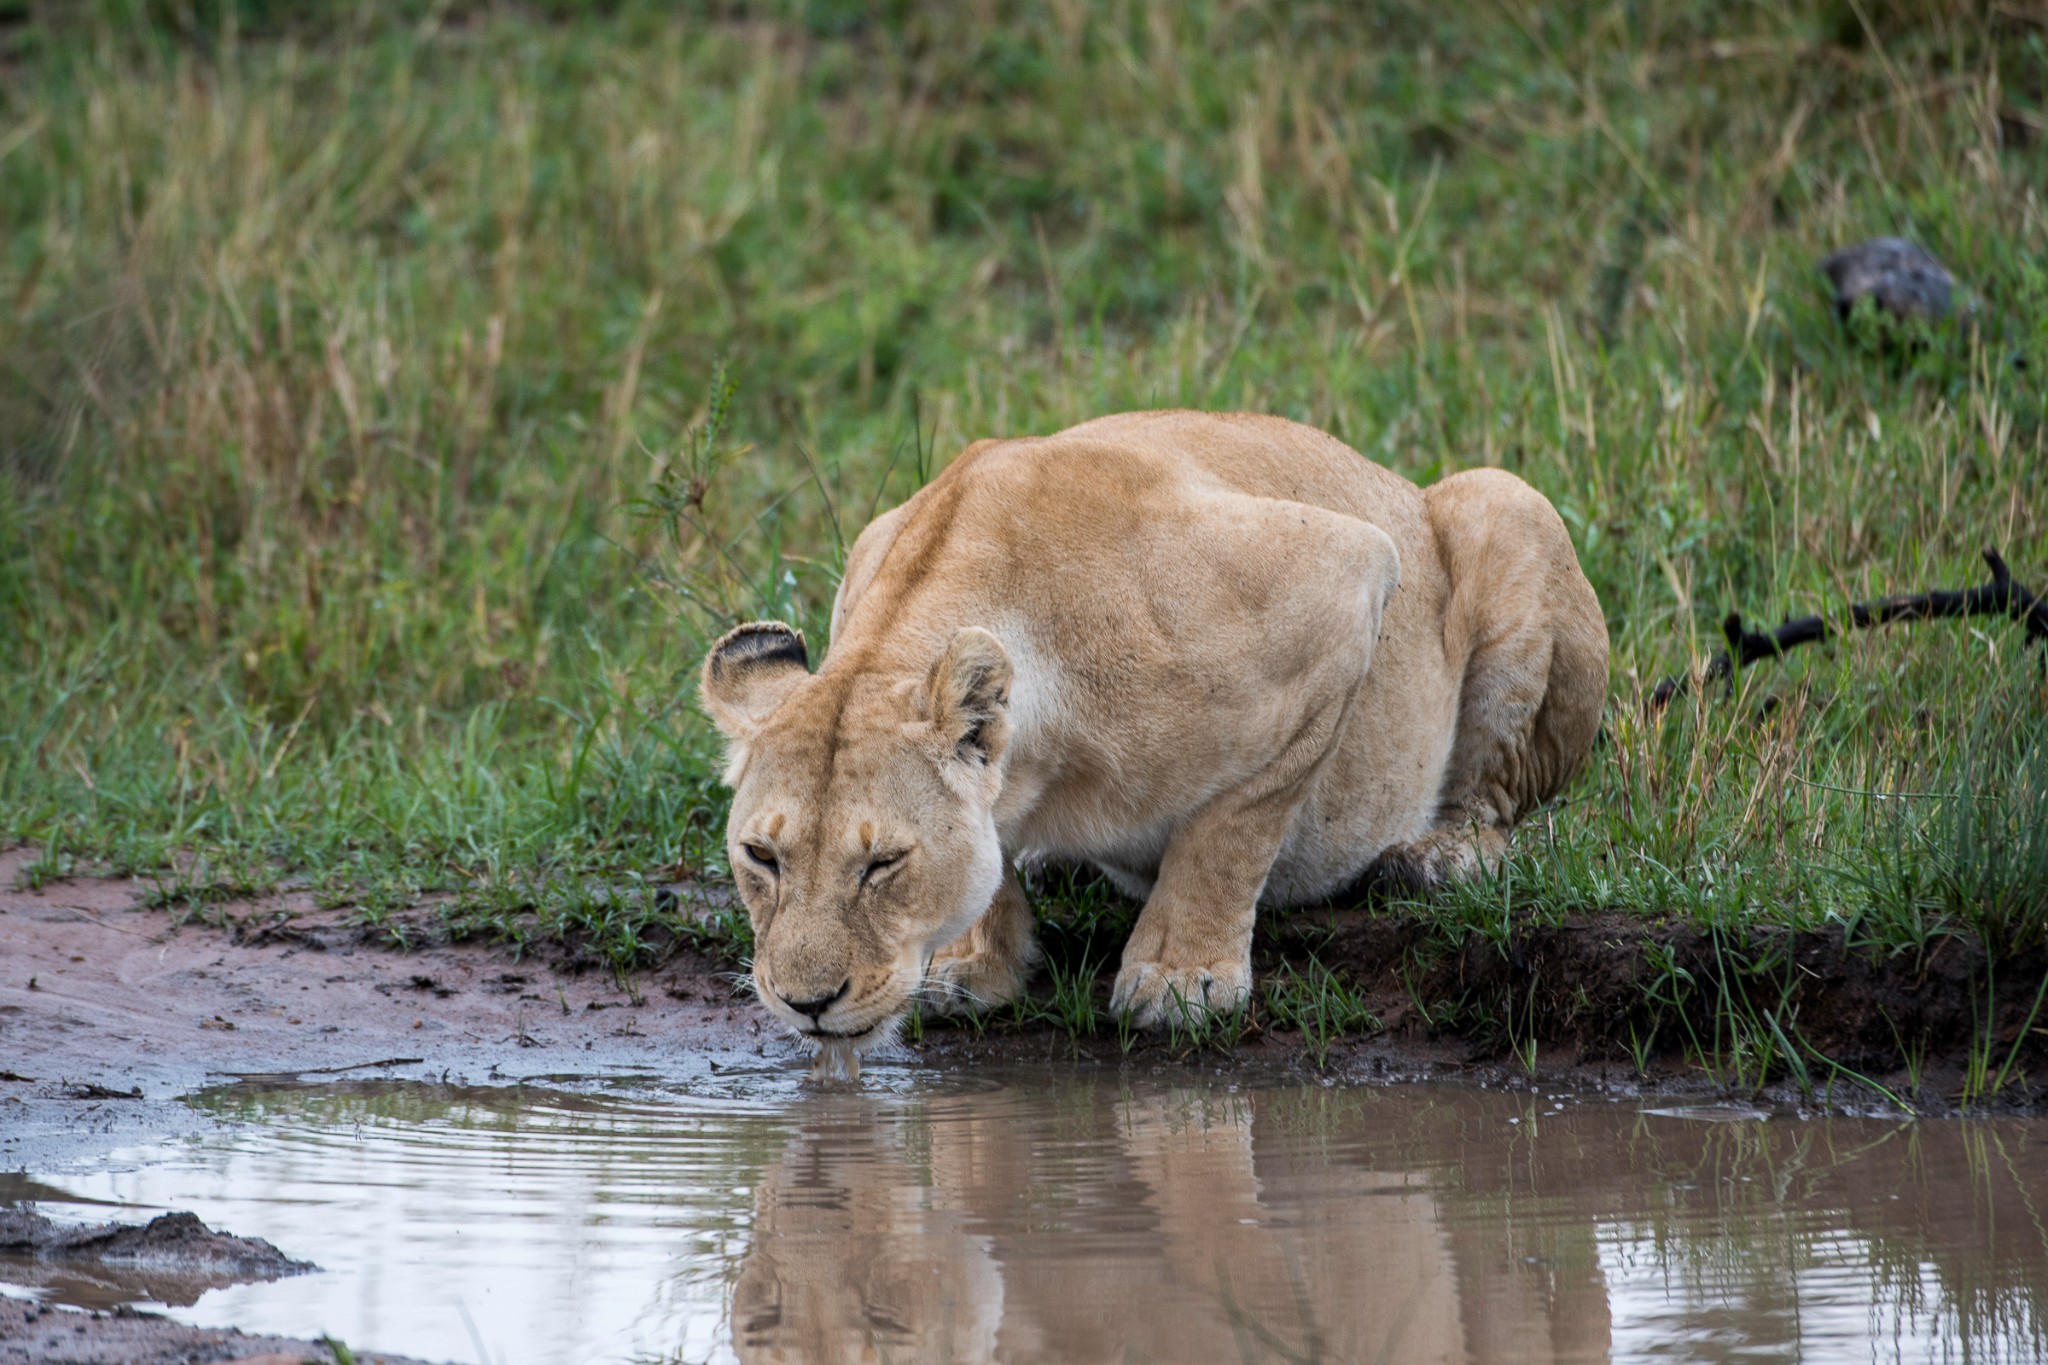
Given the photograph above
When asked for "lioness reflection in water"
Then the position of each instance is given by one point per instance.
(1173, 1225)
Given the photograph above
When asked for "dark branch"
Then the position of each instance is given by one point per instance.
(2000, 597)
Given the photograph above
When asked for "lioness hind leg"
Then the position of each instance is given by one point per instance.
(1534, 641)
(1484, 790)
(1446, 853)
(991, 963)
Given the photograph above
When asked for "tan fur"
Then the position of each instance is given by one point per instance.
(1225, 658)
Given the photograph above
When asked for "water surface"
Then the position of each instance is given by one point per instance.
(1070, 1216)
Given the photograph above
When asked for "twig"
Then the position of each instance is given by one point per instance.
(2000, 597)
(87, 914)
(317, 1070)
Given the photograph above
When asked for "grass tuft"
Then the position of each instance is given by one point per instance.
(1311, 1000)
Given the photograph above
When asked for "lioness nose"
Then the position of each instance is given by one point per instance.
(816, 1007)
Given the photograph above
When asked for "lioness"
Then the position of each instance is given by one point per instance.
(1225, 658)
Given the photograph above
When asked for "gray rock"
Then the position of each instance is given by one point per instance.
(1904, 279)
(172, 1239)
(173, 1259)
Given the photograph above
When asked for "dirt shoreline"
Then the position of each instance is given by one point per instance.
(31, 1334)
(101, 997)
(173, 1259)
(109, 1012)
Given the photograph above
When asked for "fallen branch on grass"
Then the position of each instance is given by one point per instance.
(2000, 597)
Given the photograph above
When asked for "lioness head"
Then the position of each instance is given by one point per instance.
(862, 837)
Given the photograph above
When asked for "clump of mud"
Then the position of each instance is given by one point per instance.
(37, 1334)
(171, 1259)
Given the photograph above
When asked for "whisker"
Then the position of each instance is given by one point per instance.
(742, 983)
(938, 988)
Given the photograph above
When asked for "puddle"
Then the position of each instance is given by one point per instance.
(1080, 1216)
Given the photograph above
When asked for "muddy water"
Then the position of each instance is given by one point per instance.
(1088, 1216)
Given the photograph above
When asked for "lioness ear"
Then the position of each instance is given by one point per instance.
(968, 695)
(748, 673)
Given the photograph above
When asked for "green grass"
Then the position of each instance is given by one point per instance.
(1316, 1003)
(369, 483)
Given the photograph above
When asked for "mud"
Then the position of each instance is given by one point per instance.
(109, 1013)
(31, 1334)
(173, 1250)
(1598, 993)
(172, 1259)
(108, 1010)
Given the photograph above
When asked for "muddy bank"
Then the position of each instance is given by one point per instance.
(172, 1259)
(31, 1334)
(1668, 1001)
(1616, 1004)
(108, 1010)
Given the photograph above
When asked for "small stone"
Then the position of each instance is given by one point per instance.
(1902, 277)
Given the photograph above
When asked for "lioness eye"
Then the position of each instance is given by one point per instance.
(879, 866)
(761, 854)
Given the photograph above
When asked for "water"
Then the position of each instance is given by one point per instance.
(1066, 1216)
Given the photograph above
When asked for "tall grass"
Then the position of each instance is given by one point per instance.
(362, 510)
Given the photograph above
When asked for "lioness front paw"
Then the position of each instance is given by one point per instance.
(966, 980)
(1156, 995)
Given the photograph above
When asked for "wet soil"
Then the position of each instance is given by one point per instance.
(109, 1013)
(1597, 992)
(107, 1010)
(31, 1334)
(172, 1259)
(105, 995)
(174, 1247)
(1621, 1004)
